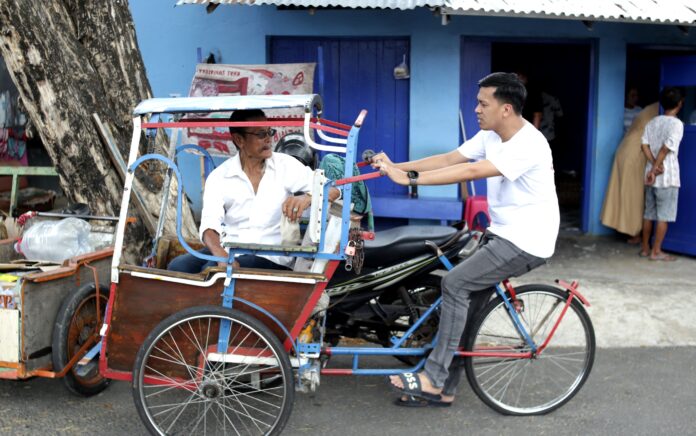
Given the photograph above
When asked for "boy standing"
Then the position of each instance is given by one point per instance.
(660, 143)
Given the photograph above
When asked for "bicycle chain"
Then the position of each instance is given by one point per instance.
(355, 262)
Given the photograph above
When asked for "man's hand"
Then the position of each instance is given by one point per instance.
(294, 206)
(380, 157)
(235, 264)
(388, 169)
(650, 178)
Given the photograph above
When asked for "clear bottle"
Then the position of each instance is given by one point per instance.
(55, 241)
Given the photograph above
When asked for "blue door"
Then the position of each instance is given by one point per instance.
(359, 74)
(475, 64)
(681, 235)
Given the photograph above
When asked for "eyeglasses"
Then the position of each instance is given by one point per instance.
(263, 134)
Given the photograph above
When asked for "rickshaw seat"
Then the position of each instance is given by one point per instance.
(209, 272)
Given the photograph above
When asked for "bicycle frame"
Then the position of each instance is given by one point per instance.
(396, 350)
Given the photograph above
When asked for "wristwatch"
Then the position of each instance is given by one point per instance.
(412, 177)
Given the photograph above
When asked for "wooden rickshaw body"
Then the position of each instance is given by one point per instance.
(140, 298)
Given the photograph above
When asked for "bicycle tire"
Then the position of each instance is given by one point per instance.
(181, 387)
(76, 321)
(536, 386)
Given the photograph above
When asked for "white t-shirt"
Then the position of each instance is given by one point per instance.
(230, 204)
(522, 202)
(664, 130)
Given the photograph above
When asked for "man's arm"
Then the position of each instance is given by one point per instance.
(429, 163)
(211, 239)
(444, 176)
(648, 153)
(294, 206)
(536, 119)
(661, 155)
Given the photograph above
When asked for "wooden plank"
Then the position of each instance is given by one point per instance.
(140, 304)
(41, 301)
(435, 208)
(9, 335)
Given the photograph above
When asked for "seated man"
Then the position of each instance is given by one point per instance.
(245, 195)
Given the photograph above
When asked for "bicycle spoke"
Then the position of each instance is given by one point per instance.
(540, 382)
(192, 394)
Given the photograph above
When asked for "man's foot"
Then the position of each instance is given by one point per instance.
(417, 384)
(411, 401)
(634, 240)
(643, 253)
(663, 257)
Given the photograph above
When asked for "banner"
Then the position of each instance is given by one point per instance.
(270, 79)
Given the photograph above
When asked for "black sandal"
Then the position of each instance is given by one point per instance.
(413, 387)
(412, 401)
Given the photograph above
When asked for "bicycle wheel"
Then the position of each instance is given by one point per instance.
(521, 386)
(183, 385)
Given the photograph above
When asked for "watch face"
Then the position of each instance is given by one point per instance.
(412, 174)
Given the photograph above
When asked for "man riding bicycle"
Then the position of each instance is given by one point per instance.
(516, 159)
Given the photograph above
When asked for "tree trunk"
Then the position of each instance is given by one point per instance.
(70, 59)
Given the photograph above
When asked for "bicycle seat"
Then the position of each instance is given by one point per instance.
(404, 242)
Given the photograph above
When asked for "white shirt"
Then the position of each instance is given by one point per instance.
(231, 206)
(522, 202)
(668, 131)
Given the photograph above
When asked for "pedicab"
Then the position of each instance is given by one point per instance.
(225, 350)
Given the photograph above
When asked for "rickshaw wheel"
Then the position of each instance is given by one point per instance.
(183, 385)
(75, 323)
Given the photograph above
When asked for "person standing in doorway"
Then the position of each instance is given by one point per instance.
(631, 108)
(624, 201)
(534, 105)
(661, 146)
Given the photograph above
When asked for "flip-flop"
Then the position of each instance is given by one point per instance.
(641, 254)
(412, 401)
(663, 257)
(413, 387)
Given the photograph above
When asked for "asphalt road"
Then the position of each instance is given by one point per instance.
(631, 391)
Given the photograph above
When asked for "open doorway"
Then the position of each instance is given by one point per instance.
(559, 79)
(643, 64)
(560, 69)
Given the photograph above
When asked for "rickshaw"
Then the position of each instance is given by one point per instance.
(225, 350)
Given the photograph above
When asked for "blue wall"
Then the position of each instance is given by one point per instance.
(169, 37)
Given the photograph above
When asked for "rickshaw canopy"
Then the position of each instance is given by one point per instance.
(307, 102)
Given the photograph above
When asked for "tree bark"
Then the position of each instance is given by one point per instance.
(70, 59)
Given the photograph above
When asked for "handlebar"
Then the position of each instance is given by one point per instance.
(359, 178)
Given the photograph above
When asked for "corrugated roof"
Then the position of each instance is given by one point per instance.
(682, 12)
(381, 4)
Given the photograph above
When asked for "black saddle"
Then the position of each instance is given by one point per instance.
(405, 242)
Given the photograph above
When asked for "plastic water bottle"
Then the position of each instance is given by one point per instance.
(55, 241)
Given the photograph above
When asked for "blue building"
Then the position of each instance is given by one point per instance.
(584, 55)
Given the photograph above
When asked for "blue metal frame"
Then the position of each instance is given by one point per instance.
(229, 297)
(395, 349)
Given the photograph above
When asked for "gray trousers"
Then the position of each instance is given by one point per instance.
(496, 259)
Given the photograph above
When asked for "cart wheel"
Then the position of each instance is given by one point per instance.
(183, 385)
(75, 323)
